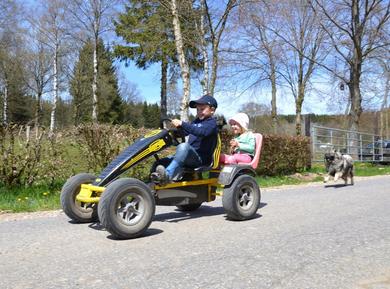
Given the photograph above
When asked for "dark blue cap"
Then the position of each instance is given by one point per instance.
(205, 99)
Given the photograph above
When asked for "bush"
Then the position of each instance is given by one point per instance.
(28, 157)
(101, 143)
(279, 154)
(284, 155)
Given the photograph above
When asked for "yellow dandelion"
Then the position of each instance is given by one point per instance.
(26, 198)
(45, 193)
(19, 199)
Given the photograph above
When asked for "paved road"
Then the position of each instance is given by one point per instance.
(304, 237)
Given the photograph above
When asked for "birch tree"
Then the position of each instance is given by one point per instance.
(212, 29)
(9, 12)
(185, 69)
(91, 20)
(53, 27)
(39, 70)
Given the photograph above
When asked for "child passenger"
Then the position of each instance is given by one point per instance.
(242, 147)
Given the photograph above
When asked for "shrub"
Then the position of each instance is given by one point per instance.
(27, 158)
(279, 154)
(284, 155)
(101, 143)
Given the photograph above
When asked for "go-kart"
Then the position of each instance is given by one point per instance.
(126, 206)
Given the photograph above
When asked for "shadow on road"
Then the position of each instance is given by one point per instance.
(336, 186)
(97, 226)
(203, 211)
(149, 232)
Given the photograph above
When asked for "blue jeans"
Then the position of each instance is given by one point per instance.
(185, 156)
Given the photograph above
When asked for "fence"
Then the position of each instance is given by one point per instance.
(363, 147)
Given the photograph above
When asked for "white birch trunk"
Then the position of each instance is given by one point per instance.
(94, 83)
(55, 91)
(5, 105)
(205, 82)
(185, 71)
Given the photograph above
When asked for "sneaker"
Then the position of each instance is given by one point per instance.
(160, 175)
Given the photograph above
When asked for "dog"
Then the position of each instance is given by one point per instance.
(338, 166)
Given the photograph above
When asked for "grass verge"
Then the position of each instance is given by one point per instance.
(42, 197)
(31, 199)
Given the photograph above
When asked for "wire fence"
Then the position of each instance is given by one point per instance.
(363, 147)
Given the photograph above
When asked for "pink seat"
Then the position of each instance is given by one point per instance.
(256, 158)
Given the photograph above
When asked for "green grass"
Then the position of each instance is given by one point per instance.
(41, 197)
(31, 199)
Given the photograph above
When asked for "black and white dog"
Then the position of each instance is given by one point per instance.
(338, 165)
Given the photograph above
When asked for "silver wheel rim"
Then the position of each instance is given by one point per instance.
(130, 208)
(245, 197)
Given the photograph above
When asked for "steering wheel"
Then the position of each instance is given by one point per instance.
(176, 133)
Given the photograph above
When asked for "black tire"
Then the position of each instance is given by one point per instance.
(241, 200)
(126, 208)
(188, 208)
(77, 211)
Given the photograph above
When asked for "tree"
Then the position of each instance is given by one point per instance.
(259, 52)
(53, 33)
(38, 64)
(10, 54)
(303, 36)
(109, 100)
(356, 29)
(93, 18)
(150, 114)
(215, 29)
(148, 34)
(184, 66)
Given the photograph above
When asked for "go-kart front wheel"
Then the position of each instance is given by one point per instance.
(78, 211)
(126, 208)
(241, 200)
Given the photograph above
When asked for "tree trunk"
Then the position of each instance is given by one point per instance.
(94, 83)
(356, 107)
(5, 105)
(38, 110)
(273, 100)
(55, 90)
(356, 100)
(214, 68)
(205, 81)
(185, 71)
(298, 109)
(163, 94)
(385, 107)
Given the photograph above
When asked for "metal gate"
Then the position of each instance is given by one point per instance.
(363, 147)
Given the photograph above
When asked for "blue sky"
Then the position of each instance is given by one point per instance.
(148, 85)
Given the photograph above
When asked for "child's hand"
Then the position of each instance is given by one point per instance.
(234, 143)
(176, 122)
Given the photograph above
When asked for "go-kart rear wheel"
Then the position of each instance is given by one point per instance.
(242, 199)
(126, 208)
(77, 211)
(189, 207)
